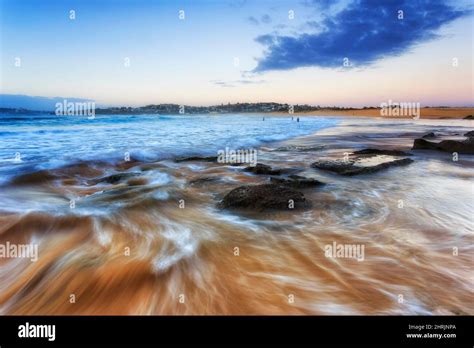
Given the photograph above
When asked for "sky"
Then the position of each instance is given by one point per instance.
(204, 52)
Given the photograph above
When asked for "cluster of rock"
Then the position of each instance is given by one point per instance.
(353, 166)
(282, 193)
(465, 146)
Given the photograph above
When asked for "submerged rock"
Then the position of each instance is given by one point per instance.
(262, 169)
(469, 134)
(463, 147)
(429, 135)
(300, 148)
(36, 178)
(296, 181)
(237, 164)
(381, 152)
(261, 197)
(137, 181)
(350, 168)
(114, 178)
(203, 181)
(197, 159)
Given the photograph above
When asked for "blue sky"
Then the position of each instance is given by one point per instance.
(239, 50)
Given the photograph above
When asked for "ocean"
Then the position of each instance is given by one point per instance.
(29, 143)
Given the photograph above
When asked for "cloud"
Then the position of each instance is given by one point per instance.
(363, 32)
(266, 19)
(237, 3)
(221, 83)
(253, 20)
(235, 83)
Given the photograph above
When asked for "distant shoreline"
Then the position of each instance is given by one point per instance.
(425, 113)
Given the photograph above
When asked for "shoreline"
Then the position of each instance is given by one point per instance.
(439, 113)
(425, 113)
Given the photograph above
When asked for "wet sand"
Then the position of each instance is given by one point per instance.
(425, 113)
(130, 246)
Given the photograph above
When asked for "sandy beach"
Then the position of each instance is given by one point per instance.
(425, 113)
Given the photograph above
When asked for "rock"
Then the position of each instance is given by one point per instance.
(137, 182)
(114, 178)
(296, 181)
(36, 178)
(350, 168)
(469, 117)
(463, 147)
(197, 159)
(260, 169)
(381, 152)
(301, 148)
(236, 164)
(261, 197)
(469, 134)
(422, 144)
(429, 135)
(203, 181)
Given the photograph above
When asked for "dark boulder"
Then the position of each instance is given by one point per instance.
(261, 197)
(350, 168)
(463, 147)
(469, 117)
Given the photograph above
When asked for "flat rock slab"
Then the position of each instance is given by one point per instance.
(297, 181)
(262, 169)
(262, 197)
(375, 152)
(197, 159)
(203, 181)
(350, 167)
(300, 148)
(463, 147)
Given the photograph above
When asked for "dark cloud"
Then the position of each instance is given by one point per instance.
(253, 20)
(319, 3)
(266, 19)
(365, 31)
(237, 3)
